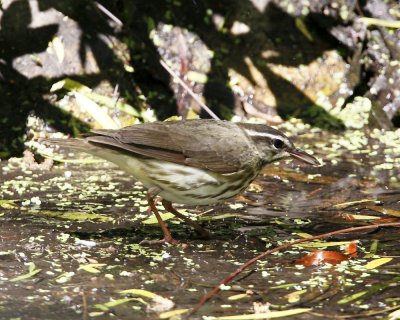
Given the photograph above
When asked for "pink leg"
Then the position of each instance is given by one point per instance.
(168, 206)
(167, 234)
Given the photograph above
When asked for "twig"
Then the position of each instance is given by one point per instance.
(116, 96)
(84, 306)
(109, 14)
(287, 245)
(192, 94)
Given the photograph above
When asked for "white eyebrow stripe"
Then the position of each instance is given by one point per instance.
(252, 133)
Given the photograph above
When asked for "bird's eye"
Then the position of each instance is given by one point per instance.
(278, 143)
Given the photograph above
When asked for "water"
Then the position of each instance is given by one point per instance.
(70, 241)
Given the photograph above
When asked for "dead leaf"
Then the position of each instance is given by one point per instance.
(351, 249)
(320, 257)
(353, 203)
(390, 212)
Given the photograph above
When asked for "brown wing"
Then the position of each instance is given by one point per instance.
(199, 143)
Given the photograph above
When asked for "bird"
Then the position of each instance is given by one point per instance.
(192, 162)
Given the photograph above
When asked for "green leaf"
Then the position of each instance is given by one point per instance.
(106, 306)
(238, 296)
(99, 114)
(380, 22)
(111, 103)
(377, 263)
(69, 84)
(75, 86)
(373, 249)
(353, 297)
(153, 219)
(266, 315)
(197, 77)
(64, 277)
(172, 313)
(300, 24)
(7, 204)
(220, 217)
(75, 216)
(370, 292)
(92, 267)
(140, 293)
(353, 203)
(322, 244)
(32, 272)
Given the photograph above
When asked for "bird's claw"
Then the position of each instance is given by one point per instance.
(162, 241)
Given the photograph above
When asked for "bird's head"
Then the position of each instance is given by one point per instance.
(273, 145)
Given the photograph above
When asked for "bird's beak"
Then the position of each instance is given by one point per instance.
(303, 156)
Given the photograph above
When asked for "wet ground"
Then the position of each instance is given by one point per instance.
(70, 240)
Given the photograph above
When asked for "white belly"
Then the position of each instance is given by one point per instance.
(180, 183)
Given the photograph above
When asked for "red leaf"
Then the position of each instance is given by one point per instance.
(351, 249)
(319, 257)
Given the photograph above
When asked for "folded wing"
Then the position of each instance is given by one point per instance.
(197, 143)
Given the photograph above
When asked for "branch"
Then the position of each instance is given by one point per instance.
(192, 94)
(287, 245)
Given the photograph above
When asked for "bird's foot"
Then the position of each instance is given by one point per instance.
(165, 240)
(169, 207)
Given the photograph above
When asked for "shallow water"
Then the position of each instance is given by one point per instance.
(70, 241)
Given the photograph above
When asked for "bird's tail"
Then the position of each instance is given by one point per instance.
(71, 144)
(83, 145)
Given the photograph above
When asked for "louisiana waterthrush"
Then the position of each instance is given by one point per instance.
(194, 162)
